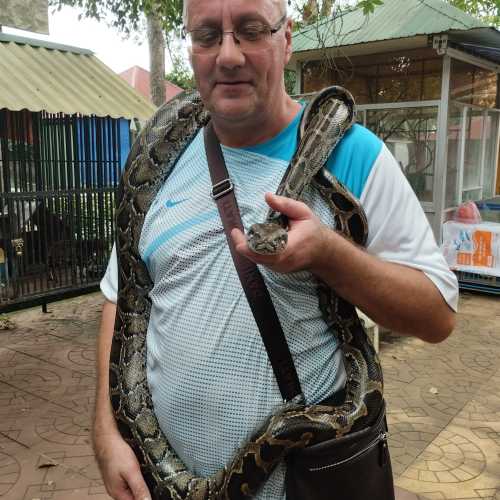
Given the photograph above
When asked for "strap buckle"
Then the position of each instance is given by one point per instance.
(222, 188)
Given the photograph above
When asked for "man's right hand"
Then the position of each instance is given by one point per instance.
(119, 467)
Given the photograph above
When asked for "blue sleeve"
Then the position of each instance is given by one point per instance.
(352, 160)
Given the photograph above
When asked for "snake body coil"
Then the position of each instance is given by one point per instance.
(295, 425)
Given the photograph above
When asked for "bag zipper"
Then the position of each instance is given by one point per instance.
(381, 438)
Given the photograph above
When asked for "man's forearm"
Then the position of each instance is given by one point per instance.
(398, 297)
(104, 420)
(395, 296)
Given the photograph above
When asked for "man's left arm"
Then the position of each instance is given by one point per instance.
(396, 296)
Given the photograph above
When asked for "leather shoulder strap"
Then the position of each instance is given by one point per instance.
(251, 280)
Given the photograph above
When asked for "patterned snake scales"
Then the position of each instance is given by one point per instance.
(295, 425)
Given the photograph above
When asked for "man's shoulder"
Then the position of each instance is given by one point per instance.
(362, 140)
(354, 158)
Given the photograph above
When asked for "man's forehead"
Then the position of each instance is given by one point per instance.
(238, 8)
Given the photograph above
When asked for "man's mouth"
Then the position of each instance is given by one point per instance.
(233, 83)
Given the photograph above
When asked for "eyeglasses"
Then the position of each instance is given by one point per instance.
(252, 36)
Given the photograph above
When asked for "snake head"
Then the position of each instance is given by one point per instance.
(267, 238)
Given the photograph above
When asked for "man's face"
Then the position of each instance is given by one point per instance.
(236, 85)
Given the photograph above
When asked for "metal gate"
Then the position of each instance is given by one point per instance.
(58, 177)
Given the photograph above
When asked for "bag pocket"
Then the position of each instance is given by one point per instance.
(353, 467)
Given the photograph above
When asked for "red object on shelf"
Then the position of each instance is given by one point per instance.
(467, 213)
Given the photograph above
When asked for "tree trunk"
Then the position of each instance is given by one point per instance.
(326, 8)
(310, 11)
(156, 43)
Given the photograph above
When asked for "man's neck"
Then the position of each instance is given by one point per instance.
(246, 133)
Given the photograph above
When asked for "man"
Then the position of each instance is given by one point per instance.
(209, 374)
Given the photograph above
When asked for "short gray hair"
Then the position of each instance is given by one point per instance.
(282, 5)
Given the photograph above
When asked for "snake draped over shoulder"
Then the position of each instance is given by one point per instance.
(295, 425)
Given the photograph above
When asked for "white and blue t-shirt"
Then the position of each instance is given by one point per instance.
(209, 374)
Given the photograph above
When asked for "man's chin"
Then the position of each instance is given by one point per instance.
(233, 110)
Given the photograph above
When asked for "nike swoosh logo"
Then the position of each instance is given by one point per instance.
(172, 203)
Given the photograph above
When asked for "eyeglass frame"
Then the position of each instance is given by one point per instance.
(272, 30)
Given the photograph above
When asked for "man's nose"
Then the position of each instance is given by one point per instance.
(230, 54)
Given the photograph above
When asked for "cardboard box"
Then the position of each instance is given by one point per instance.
(472, 247)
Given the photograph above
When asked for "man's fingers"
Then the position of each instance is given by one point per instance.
(118, 489)
(241, 245)
(239, 240)
(123, 495)
(138, 487)
(291, 208)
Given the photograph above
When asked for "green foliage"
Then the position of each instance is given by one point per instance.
(368, 6)
(180, 75)
(290, 78)
(487, 10)
(127, 14)
(312, 10)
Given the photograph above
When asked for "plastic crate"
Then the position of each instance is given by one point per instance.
(478, 282)
(490, 210)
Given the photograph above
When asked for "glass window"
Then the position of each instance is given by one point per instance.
(410, 135)
(472, 151)
(491, 158)
(472, 138)
(360, 85)
(454, 127)
(316, 76)
(400, 80)
(473, 85)
(411, 75)
(432, 73)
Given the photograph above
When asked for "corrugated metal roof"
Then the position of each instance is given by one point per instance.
(392, 20)
(38, 75)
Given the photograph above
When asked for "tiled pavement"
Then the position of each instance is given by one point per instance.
(47, 385)
(444, 405)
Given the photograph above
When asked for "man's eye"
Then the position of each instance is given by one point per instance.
(205, 37)
(251, 33)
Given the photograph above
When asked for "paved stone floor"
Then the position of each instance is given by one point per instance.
(444, 405)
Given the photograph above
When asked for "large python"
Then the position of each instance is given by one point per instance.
(295, 425)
